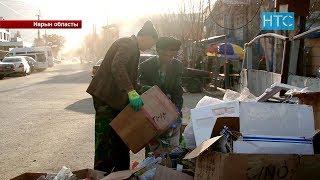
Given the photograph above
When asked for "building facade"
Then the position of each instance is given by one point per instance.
(4, 35)
(240, 21)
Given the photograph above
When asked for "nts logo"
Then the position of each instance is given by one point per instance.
(277, 21)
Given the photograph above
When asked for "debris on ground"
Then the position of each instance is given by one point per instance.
(239, 137)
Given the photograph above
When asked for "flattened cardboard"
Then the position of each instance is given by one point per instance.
(82, 174)
(202, 147)
(312, 99)
(119, 175)
(90, 173)
(164, 173)
(122, 174)
(136, 129)
(233, 123)
(28, 176)
(230, 122)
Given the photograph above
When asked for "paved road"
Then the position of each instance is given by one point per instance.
(47, 121)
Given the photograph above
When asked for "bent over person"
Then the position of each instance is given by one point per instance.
(165, 71)
(112, 88)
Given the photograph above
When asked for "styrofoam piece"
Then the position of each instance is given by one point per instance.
(256, 144)
(204, 118)
(276, 119)
(274, 89)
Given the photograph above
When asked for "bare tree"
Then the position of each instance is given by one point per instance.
(187, 25)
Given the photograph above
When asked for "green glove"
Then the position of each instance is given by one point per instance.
(135, 100)
(145, 88)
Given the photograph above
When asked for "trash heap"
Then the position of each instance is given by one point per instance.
(244, 137)
(239, 137)
(247, 137)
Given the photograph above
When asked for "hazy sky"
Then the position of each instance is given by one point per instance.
(99, 12)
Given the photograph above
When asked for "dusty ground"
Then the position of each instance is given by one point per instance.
(47, 121)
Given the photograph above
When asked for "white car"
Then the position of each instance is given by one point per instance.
(20, 64)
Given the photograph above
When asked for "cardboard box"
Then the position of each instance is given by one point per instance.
(218, 166)
(136, 129)
(164, 173)
(275, 119)
(126, 174)
(312, 99)
(82, 174)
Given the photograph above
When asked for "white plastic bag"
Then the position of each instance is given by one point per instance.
(188, 135)
(206, 100)
(245, 95)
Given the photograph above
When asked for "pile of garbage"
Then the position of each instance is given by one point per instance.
(238, 137)
(244, 137)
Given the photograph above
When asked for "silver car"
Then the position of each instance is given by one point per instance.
(18, 64)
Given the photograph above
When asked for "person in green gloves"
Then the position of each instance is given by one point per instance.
(135, 100)
(112, 88)
(165, 71)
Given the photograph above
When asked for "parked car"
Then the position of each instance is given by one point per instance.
(143, 57)
(32, 63)
(14, 65)
(40, 54)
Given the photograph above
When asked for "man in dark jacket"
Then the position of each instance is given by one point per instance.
(112, 88)
(165, 72)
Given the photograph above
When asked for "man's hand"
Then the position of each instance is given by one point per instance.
(135, 100)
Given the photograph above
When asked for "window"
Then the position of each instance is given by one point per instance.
(33, 56)
(11, 60)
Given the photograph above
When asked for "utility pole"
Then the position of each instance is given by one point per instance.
(38, 15)
(45, 37)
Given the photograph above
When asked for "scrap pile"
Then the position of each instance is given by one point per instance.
(239, 137)
(245, 137)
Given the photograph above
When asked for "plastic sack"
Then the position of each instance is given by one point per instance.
(65, 174)
(206, 100)
(188, 135)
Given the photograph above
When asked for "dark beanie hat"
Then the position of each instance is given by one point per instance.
(148, 30)
(168, 44)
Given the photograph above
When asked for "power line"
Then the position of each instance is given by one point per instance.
(256, 13)
(12, 9)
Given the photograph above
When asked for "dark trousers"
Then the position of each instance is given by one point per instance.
(111, 153)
